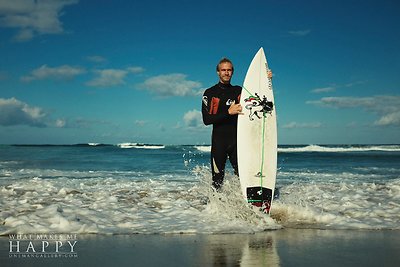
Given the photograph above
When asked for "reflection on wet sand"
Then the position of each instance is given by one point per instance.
(285, 247)
(241, 250)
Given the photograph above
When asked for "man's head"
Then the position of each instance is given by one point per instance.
(225, 70)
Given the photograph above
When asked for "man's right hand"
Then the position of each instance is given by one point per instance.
(235, 109)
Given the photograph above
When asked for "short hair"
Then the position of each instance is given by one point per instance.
(224, 60)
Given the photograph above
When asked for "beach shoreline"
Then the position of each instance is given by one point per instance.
(285, 247)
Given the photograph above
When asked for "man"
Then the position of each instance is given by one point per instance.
(220, 108)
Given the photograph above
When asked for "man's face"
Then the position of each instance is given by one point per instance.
(225, 72)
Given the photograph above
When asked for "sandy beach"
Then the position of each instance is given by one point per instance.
(286, 247)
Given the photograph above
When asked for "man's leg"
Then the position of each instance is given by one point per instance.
(218, 160)
(232, 153)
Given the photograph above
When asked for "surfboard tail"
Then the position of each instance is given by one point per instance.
(260, 197)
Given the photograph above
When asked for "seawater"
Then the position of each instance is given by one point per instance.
(135, 188)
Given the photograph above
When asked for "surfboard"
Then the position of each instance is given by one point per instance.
(257, 135)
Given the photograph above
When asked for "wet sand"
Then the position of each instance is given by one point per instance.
(285, 247)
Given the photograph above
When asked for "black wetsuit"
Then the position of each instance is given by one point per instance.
(216, 102)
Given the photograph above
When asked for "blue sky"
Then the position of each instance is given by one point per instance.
(133, 71)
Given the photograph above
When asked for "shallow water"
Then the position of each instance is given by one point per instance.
(166, 189)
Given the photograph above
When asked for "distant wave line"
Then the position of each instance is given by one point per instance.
(320, 148)
(350, 148)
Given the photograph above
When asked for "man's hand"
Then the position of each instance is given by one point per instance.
(235, 109)
(269, 73)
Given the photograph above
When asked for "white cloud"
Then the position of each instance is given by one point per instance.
(323, 90)
(61, 72)
(335, 87)
(60, 123)
(193, 119)
(387, 107)
(300, 33)
(293, 125)
(351, 84)
(32, 17)
(174, 84)
(389, 119)
(96, 59)
(112, 77)
(15, 112)
(136, 70)
(24, 35)
(108, 78)
(80, 123)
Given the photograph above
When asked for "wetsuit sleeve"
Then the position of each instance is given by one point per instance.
(210, 112)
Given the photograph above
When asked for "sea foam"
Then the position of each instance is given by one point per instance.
(119, 205)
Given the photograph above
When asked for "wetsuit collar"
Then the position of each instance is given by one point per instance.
(223, 85)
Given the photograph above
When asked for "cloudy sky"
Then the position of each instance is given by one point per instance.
(134, 71)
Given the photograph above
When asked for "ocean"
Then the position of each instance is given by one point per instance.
(160, 189)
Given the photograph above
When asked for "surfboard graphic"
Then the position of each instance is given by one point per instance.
(257, 135)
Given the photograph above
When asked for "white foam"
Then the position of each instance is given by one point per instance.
(134, 202)
(317, 148)
(120, 205)
(339, 205)
(94, 144)
(138, 145)
(203, 148)
(127, 145)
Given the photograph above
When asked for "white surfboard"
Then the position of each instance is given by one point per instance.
(257, 135)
